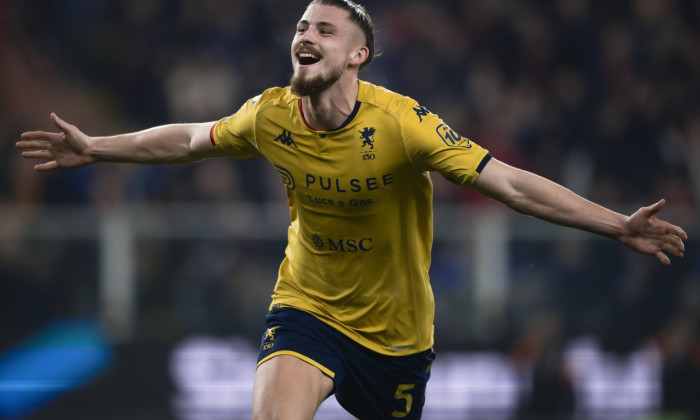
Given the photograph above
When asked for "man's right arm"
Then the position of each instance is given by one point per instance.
(71, 148)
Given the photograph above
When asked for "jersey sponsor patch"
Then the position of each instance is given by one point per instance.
(452, 138)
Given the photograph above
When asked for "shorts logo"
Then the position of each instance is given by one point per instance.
(268, 340)
(452, 138)
(287, 177)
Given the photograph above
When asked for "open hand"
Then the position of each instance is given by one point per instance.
(649, 235)
(66, 149)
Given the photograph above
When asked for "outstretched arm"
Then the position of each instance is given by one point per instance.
(71, 148)
(531, 194)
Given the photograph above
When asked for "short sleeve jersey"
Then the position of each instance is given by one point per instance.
(360, 201)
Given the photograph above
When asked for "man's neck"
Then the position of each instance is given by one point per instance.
(332, 107)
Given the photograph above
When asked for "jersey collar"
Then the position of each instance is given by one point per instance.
(347, 121)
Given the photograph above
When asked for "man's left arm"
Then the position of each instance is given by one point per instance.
(536, 196)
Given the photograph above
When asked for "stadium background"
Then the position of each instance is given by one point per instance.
(601, 96)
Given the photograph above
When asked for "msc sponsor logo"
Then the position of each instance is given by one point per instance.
(349, 245)
(452, 138)
(287, 177)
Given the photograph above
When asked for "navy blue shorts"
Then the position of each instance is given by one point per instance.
(368, 385)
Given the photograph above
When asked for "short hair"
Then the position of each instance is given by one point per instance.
(359, 15)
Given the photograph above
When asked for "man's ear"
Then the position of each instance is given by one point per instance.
(359, 56)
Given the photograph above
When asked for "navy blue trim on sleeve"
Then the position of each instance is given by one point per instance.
(483, 163)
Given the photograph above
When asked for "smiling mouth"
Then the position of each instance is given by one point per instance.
(307, 58)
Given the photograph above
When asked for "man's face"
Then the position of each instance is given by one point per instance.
(323, 48)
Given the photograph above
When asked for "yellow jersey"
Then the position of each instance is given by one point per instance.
(360, 201)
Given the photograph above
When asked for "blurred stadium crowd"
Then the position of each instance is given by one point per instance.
(582, 91)
(601, 96)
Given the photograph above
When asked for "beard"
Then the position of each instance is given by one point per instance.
(303, 86)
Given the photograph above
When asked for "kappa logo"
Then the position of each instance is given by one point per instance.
(421, 112)
(286, 138)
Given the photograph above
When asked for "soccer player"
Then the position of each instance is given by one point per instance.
(352, 310)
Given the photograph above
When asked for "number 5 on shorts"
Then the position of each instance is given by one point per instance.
(402, 394)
